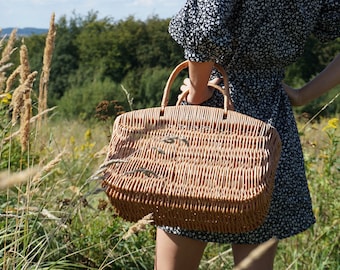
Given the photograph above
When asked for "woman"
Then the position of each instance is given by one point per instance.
(254, 41)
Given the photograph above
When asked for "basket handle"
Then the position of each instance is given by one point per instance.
(228, 105)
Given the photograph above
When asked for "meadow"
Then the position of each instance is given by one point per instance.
(54, 214)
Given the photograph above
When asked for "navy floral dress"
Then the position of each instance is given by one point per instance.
(255, 40)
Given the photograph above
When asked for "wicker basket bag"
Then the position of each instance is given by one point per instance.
(196, 167)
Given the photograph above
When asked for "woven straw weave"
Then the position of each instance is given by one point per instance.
(195, 167)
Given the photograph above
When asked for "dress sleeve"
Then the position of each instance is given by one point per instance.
(328, 25)
(201, 28)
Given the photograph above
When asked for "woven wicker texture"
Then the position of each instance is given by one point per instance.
(195, 167)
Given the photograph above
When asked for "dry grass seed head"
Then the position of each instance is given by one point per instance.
(2, 81)
(49, 166)
(49, 46)
(9, 49)
(10, 44)
(139, 226)
(25, 123)
(18, 98)
(5, 57)
(12, 78)
(2, 40)
(3, 78)
(4, 67)
(26, 113)
(47, 60)
(17, 103)
(102, 152)
(8, 180)
(32, 120)
(25, 67)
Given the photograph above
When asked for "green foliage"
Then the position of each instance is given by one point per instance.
(65, 60)
(91, 49)
(11, 156)
(81, 101)
(152, 84)
(318, 247)
(127, 51)
(314, 59)
(147, 86)
(328, 105)
(126, 37)
(35, 45)
(107, 249)
(58, 223)
(61, 220)
(159, 49)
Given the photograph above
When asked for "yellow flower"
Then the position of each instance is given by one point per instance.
(72, 140)
(332, 124)
(6, 98)
(88, 135)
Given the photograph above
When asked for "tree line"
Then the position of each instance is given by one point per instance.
(128, 62)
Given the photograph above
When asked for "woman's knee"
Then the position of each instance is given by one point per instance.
(177, 252)
(255, 257)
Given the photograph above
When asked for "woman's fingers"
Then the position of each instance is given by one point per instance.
(186, 85)
(186, 81)
(216, 81)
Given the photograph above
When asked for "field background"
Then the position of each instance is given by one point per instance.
(53, 214)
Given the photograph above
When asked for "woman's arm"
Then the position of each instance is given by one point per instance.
(326, 80)
(199, 73)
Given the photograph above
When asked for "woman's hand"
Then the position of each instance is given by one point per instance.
(193, 95)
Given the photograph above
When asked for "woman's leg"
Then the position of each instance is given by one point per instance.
(177, 252)
(258, 257)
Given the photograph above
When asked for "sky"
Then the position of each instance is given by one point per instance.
(37, 13)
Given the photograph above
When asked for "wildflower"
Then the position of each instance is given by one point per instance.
(72, 140)
(332, 124)
(88, 135)
(6, 98)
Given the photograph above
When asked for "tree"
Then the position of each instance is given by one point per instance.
(160, 49)
(138, 54)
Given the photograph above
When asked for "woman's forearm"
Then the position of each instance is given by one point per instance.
(326, 80)
(199, 74)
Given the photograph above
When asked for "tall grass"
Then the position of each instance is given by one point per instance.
(54, 215)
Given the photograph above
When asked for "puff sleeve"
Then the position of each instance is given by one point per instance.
(328, 24)
(201, 28)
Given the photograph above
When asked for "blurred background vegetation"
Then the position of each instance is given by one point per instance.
(94, 57)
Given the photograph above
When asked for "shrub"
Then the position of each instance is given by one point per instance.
(82, 101)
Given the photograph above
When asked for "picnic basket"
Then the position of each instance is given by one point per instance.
(195, 167)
